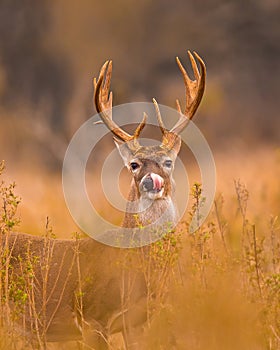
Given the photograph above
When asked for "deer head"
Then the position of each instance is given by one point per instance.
(151, 197)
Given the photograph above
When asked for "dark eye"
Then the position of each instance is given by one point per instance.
(134, 165)
(168, 163)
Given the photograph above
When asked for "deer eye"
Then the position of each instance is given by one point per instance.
(168, 163)
(134, 166)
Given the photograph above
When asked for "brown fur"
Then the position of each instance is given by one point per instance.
(151, 160)
(90, 292)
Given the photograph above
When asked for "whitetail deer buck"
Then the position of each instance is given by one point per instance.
(151, 198)
(88, 290)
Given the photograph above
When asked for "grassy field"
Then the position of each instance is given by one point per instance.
(223, 281)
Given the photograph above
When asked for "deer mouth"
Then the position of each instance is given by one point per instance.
(153, 185)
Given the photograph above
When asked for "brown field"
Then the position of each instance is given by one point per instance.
(225, 283)
(258, 171)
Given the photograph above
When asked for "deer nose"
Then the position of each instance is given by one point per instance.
(152, 182)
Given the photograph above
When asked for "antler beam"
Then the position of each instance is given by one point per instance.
(194, 91)
(103, 99)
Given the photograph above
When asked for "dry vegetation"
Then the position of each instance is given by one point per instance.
(223, 289)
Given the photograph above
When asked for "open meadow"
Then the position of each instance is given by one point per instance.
(223, 281)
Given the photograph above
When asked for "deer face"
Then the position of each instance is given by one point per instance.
(151, 168)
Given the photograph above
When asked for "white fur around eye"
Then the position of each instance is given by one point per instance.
(168, 164)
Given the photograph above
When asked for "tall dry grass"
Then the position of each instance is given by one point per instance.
(219, 287)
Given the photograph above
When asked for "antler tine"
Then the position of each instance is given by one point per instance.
(160, 122)
(194, 91)
(101, 90)
(179, 110)
(168, 138)
(103, 102)
(140, 127)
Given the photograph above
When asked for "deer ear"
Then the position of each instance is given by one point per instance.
(177, 145)
(124, 150)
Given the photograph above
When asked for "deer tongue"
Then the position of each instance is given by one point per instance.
(157, 181)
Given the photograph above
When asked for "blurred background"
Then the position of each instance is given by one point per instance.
(50, 50)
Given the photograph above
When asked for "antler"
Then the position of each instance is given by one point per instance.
(194, 92)
(103, 102)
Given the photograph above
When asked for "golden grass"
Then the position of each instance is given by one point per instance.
(225, 287)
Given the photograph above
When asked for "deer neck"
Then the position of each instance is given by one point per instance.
(144, 211)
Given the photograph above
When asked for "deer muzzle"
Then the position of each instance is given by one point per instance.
(152, 183)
